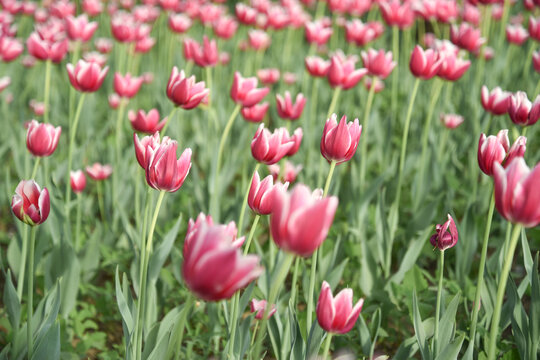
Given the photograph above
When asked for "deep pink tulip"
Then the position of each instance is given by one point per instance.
(379, 84)
(142, 145)
(361, 34)
(79, 28)
(396, 14)
(258, 39)
(245, 14)
(123, 26)
(451, 121)
(342, 72)
(516, 150)
(114, 100)
(146, 122)
(285, 107)
(30, 204)
(10, 48)
(230, 229)
(517, 192)
(92, 7)
(259, 307)
(225, 27)
(269, 148)
(378, 63)
(127, 86)
(289, 175)
(466, 37)
(260, 194)
(37, 107)
(214, 269)
(316, 66)
(104, 45)
(471, 14)
(207, 54)
(452, 67)
(42, 139)
(86, 76)
(534, 28)
(516, 34)
(99, 172)
(424, 64)
(318, 32)
(536, 61)
(300, 221)
(186, 92)
(179, 23)
(337, 315)
(340, 141)
(268, 76)
(43, 49)
(255, 113)
(77, 181)
(446, 235)
(244, 91)
(496, 101)
(521, 111)
(296, 138)
(491, 150)
(95, 57)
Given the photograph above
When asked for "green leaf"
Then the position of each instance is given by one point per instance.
(11, 301)
(365, 336)
(48, 347)
(419, 330)
(534, 317)
(297, 342)
(127, 317)
(451, 351)
(448, 322)
(375, 327)
(315, 340)
(49, 307)
(158, 257)
(411, 256)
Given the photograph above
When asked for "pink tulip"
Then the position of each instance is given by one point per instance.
(225, 27)
(317, 32)
(316, 66)
(361, 34)
(95, 57)
(4, 82)
(255, 113)
(123, 26)
(214, 269)
(99, 172)
(379, 84)
(62, 9)
(260, 194)
(42, 139)
(209, 13)
(146, 122)
(104, 45)
(337, 315)
(144, 45)
(296, 138)
(127, 86)
(424, 64)
(521, 111)
(114, 100)
(492, 150)
(496, 101)
(536, 61)
(245, 14)
(86, 76)
(79, 28)
(179, 23)
(44, 49)
(444, 237)
(516, 192)
(378, 63)
(30, 204)
(10, 49)
(534, 28)
(258, 39)
(194, 226)
(340, 141)
(244, 91)
(466, 37)
(452, 67)
(300, 221)
(471, 14)
(516, 34)
(451, 121)
(268, 76)
(277, 18)
(343, 74)
(77, 181)
(92, 7)
(185, 92)
(259, 307)
(289, 78)
(37, 107)
(269, 148)
(285, 107)
(207, 54)
(396, 14)
(289, 175)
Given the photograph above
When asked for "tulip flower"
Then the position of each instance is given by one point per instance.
(378, 63)
(466, 37)
(296, 138)
(114, 100)
(396, 14)
(287, 176)
(337, 314)
(289, 78)
(86, 76)
(424, 64)
(318, 32)
(230, 229)
(45, 49)
(316, 66)
(259, 307)
(534, 28)
(285, 107)
(146, 122)
(258, 39)
(536, 61)
(99, 172)
(214, 269)
(269, 148)
(521, 111)
(342, 72)
(185, 92)
(92, 7)
(179, 23)
(104, 45)
(4, 83)
(30, 204)
(496, 101)
(79, 28)
(10, 49)
(361, 34)
(452, 67)
(340, 141)
(268, 76)
(379, 84)
(245, 14)
(300, 221)
(255, 113)
(123, 26)
(446, 235)
(127, 86)
(491, 150)
(77, 181)
(244, 91)
(207, 54)
(260, 194)
(225, 27)
(516, 34)
(37, 107)
(451, 121)
(42, 139)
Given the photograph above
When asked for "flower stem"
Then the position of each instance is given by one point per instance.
(327, 344)
(244, 202)
(169, 120)
(34, 171)
(528, 60)
(438, 307)
(492, 348)
(30, 289)
(251, 233)
(333, 103)
(47, 90)
(72, 135)
(395, 75)
(78, 224)
(100, 201)
(22, 266)
(480, 281)
(329, 177)
(365, 125)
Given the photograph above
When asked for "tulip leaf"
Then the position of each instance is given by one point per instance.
(534, 317)
(315, 340)
(448, 321)
(365, 336)
(123, 305)
(158, 257)
(47, 312)
(419, 329)
(451, 351)
(297, 342)
(518, 318)
(48, 346)
(11, 301)
(412, 254)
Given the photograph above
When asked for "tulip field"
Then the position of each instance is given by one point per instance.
(270, 179)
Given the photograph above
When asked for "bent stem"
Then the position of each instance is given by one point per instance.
(365, 125)
(30, 289)
(327, 344)
(494, 332)
(72, 134)
(480, 281)
(438, 307)
(224, 135)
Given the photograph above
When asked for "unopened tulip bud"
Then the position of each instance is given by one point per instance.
(99, 172)
(337, 314)
(259, 307)
(340, 141)
(77, 181)
(30, 204)
(42, 139)
(446, 235)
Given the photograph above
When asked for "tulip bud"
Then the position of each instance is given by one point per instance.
(316, 66)
(42, 139)
(127, 86)
(30, 204)
(496, 101)
(146, 122)
(340, 141)
(79, 28)
(255, 113)
(244, 91)
(451, 121)
(492, 150)
(268, 76)
(445, 238)
(337, 314)
(466, 37)
(396, 14)
(378, 63)
(77, 181)
(260, 194)
(259, 307)
(86, 76)
(99, 172)
(342, 72)
(286, 109)
(424, 64)
(269, 148)
(185, 92)
(521, 111)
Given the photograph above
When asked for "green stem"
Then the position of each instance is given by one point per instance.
(72, 135)
(101, 204)
(22, 265)
(30, 295)
(493, 335)
(333, 103)
(504, 20)
(329, 177)
(404, 140)
(438, 308)
(169, 120)
(320, 9)
(78, 224)
(395, 74)
(244, 202)
(47, 90)
(365, 126)
(294, 280)
(536, 90)
(34, 171)
(222, 141)
(72, 91)
(327, 344)
(182, 323)
(480, 281)
(234, 320)
(254, 335)
(209, 84)
(528, 60)
(251, 233)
